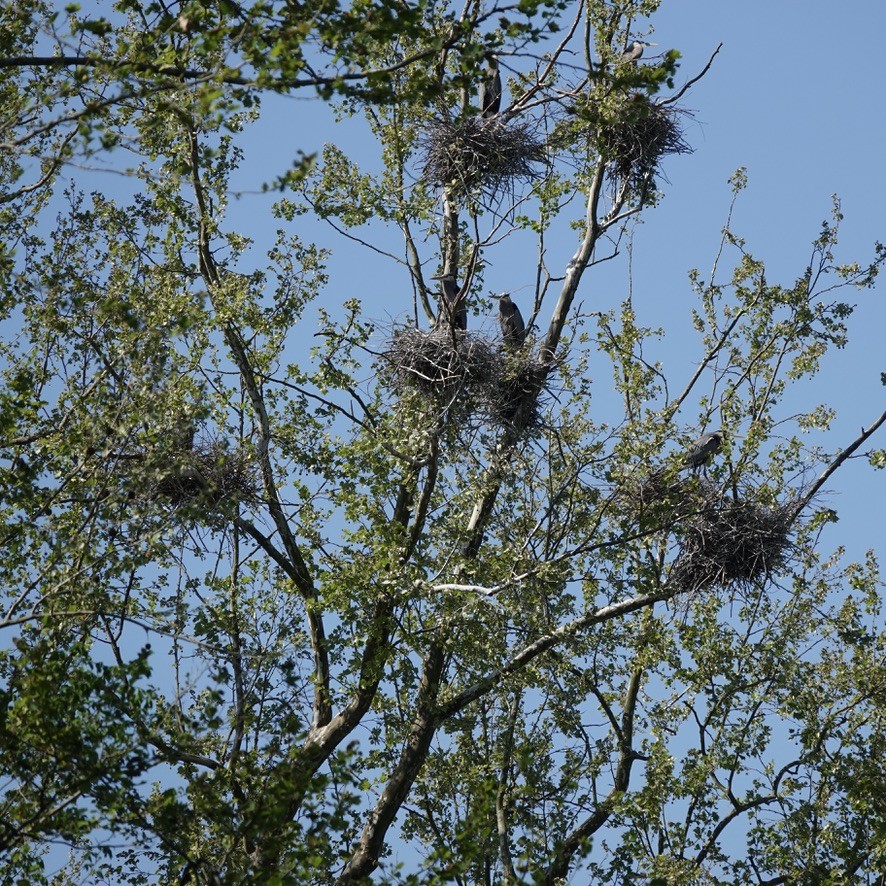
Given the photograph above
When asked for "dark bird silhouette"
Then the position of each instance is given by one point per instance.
(513, 329)
(634, 52)
(453, 309)
(489, 93)
(703, 450)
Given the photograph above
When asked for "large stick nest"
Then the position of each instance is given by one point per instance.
(639, 137)
(474, 153)
(730, 543)
(441, 363)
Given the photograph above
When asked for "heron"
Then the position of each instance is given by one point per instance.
(452, 304)
(183, 432)
(704, 449)
(489, 93)
(634, 51)
(513, 329)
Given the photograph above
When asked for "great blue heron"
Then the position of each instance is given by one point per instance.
(453, 308)
(183, 432)
(513, 329)
(704, 449)
(489, 93)
(634, 51)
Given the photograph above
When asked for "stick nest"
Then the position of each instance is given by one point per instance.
(513, 399)
(659, 500)
(209, 475)
(728, 542)
(442, 363)
(474, 153)
(447, 367)
(639, 137)
(631, 132)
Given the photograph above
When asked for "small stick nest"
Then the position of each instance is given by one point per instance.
(639, 136)
(728, 542)
(512, 398)
(475, 153)
(659, 500)
(441, 362)
(208, 475)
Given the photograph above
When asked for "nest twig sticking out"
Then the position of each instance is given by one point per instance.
(479, 154)
(731, 543)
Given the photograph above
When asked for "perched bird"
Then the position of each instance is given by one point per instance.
(513, 329)
(489, 93)
(183, 432)
(634, 51)
(703, 450)
(453, 308)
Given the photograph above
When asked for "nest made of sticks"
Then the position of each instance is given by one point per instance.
(731, 542)
(659, 499)
(446, 367)
(442, 363)
(209, 475)
(631, 132)
(475, 153)
(638, 136)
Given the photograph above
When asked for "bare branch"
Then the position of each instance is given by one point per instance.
(559, 866)
(365, 857)
(682, 91)
(529, 653)
(501, 797)
(846, 453)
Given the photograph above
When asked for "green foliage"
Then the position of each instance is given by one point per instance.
(285, 604)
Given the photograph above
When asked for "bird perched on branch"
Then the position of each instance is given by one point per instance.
(513, 329)
(453, 309)
(183, 432)
(634, 52)
(703, 450)
(489, 93)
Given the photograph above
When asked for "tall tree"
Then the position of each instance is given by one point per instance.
(419, 612)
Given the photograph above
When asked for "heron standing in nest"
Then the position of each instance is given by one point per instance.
(513, 329)
(703, 450)
(489, 93)
(453, 307)
(634, 52)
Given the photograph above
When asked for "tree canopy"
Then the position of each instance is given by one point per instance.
(296, 593)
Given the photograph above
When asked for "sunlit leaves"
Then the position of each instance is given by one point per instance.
(155, 337)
